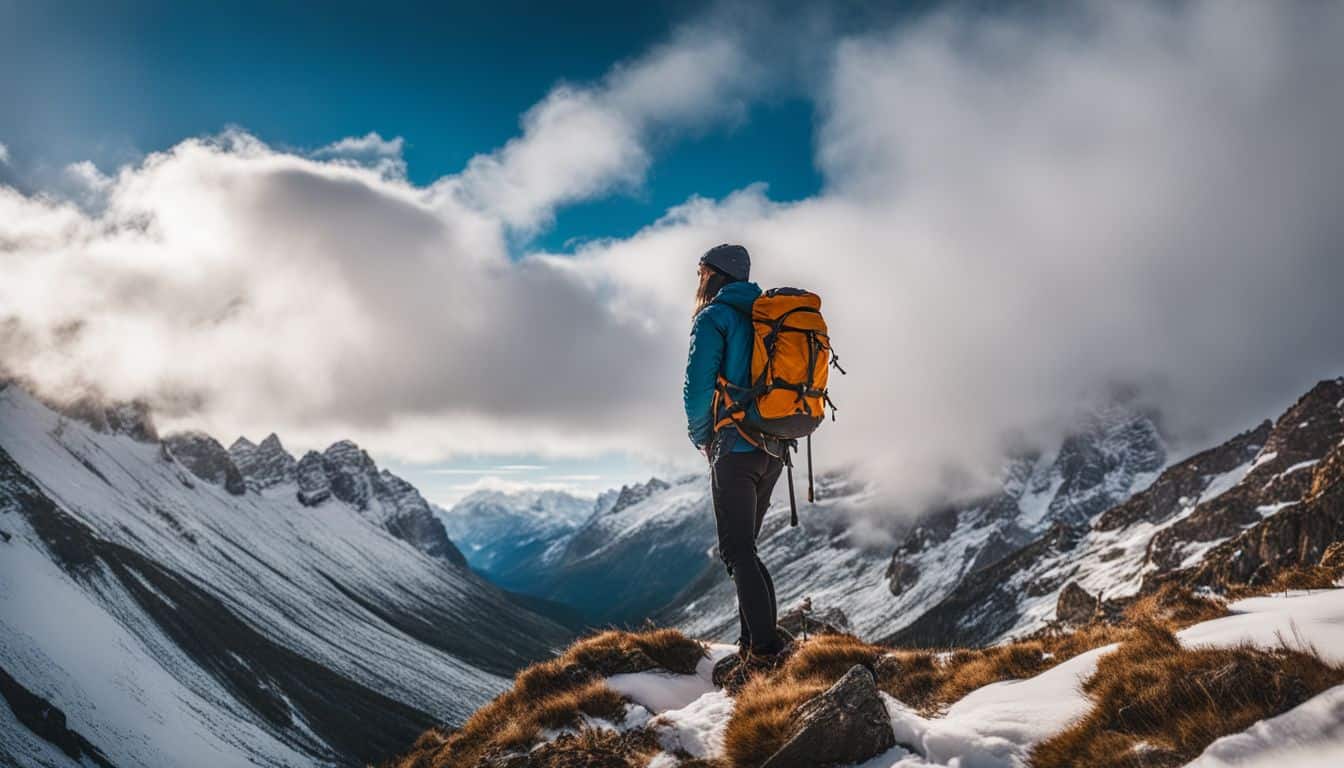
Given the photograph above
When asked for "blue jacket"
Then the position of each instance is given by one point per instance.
(721, 342)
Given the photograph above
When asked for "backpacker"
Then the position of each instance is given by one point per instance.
(787, 399)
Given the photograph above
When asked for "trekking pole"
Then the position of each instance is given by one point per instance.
(793, 504)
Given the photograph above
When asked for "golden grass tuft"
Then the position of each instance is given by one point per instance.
(554, 693)
(1159, 704)
(763, 717)
(1174, 607)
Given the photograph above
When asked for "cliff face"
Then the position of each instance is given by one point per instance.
(1238, 513)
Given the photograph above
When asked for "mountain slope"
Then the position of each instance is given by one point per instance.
(1183, 517)
(174, 621)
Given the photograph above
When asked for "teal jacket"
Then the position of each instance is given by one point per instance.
(721, 341)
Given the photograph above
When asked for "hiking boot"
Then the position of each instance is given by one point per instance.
(726, 669)
(733, 672)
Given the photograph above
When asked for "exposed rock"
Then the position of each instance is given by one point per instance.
(1185, 480)
(1301, 440)
(1076, 606)
(901, 575)
(803, 620)
(410, 519)
(986, 602)
(631, 495)
(348, 471)
(312, 479)
(847, 724)
(265, 465)
(207, 459)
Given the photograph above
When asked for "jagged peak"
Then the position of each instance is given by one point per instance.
(346, 453)
(271, 443)
(242, 444)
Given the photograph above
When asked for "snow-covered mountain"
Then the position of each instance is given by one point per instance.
(515, 537)
(640, 546)
(1110, 456)
(156, 611)
(1214, 517)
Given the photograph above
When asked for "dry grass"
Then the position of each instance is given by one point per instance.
(554, 694)
(594, 748)
(1299, 577)
(1174, 607)
(923, 679)
(1159, 704)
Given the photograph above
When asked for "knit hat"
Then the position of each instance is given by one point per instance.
(732, 260)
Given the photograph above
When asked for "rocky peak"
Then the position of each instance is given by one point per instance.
(1098, 466)
(207, 459)
(349, 471)
(311, 476)
(264, 465)
(631, 495)
(345, 471)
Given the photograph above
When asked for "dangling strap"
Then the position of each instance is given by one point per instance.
(793, 503)
(811, 492)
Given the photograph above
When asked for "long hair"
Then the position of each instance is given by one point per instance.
(710, 288)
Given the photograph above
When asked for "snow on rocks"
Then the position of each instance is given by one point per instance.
(691, 713)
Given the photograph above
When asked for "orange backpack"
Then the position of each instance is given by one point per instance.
(790, 361)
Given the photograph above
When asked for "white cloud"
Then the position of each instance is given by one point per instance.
(370, 150)
(583, 141)
(1018, 218)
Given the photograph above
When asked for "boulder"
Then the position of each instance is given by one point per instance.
(901, 576)
(1076, 606)
(847, 724)
(802, 620)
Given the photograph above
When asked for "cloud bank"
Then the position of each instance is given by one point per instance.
(1021, 218)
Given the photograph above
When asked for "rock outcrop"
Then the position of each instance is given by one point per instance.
(207, 459)
(802, 620)
(845, 725)
(1075, 606)
(312, 479)
(265, 465)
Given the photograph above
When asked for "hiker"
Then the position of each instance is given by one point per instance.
(742, 474)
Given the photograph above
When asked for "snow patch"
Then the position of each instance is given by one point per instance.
(1308, 736)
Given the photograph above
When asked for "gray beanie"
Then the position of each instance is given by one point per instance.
(732, 260)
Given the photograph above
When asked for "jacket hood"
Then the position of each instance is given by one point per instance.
(739, 295)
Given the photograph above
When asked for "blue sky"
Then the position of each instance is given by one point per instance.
(109, 82)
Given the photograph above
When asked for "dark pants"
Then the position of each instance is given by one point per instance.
(741, 484)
